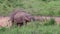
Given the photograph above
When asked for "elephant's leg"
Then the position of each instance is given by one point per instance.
(19, 24)
(24, 23)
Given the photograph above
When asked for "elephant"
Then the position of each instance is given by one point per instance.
(20, 16)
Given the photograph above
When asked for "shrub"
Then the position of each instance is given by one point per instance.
(50, 22)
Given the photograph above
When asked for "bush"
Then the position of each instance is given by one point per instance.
(2, 29)
(50, 22)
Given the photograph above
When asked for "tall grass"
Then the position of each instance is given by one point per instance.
(35, 7)
(32, 28)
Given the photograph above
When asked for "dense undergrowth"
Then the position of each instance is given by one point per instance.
(35, 7)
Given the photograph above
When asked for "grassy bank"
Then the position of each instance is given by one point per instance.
(35, 7)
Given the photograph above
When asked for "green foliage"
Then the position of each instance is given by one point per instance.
(2, 29)
(33, 28)
(50, 22)
(35, 7)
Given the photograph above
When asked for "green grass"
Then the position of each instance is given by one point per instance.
(35, 7)
(32, 28)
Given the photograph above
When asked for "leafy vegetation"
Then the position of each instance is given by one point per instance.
(35, 7)
(50, 22)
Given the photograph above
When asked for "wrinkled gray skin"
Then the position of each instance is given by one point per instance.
(20, 17)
